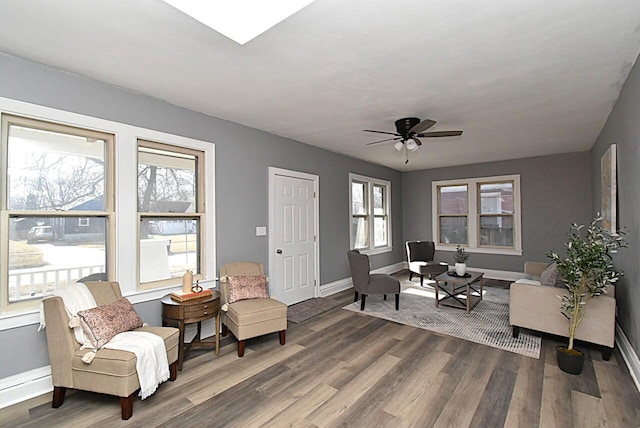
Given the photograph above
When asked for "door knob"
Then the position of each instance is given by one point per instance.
(279, 251)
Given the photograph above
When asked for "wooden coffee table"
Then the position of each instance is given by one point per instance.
(459, 292)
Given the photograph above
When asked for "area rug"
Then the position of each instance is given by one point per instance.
(310, 308)
(487, 323)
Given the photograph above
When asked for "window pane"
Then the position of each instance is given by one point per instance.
(378, 200)
(453, 230)
(46, 253)
(496, 198)
(496, 231)
(360, 232)
(54, 171)
(453, 200)
(358, 198)
(168, 248)
(380, 231)
(166, 181)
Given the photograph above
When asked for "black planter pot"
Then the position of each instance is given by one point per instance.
(570, 361)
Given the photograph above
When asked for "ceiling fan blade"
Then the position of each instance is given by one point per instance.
(441, 134)
(422, 126)
(381, 132)
(382, 141)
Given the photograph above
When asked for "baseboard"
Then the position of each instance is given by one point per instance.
(335, 287)
(396, 267)
(629, 355)
(23, 386)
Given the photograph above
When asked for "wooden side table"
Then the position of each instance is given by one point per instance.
(192, 311)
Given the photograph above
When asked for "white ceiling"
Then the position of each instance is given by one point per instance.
(521, 78)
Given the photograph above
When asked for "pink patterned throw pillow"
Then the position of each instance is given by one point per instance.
(247, 287)
(101, 323)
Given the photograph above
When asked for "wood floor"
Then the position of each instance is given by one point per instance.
(342, 368)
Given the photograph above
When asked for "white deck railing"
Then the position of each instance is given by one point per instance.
(34, 283)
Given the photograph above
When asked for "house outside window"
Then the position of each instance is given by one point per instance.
(370, 216)
(480, 214)
(171, 212)
(56, 179)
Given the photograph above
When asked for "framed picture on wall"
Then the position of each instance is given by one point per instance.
(608, 183)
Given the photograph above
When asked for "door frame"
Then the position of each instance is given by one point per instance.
(273, 171)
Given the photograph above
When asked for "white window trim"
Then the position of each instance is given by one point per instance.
(473, 214)
(370, 182)
(126, 257)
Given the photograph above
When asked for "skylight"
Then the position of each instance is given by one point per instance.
(240, 20)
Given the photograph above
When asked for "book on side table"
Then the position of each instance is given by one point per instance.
(181, 296)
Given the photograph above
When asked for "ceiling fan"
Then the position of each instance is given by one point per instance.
(409, 130)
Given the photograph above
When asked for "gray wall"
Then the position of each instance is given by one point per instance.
(555, 192)
(243, 156)
(623, 129)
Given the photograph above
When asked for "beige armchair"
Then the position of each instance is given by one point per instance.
(111, 372)
(253, 317)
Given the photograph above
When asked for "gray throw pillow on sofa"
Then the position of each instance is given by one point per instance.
(551, 277)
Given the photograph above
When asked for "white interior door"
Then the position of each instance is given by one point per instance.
(293, 266)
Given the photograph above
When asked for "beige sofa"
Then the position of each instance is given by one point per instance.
(537, 307)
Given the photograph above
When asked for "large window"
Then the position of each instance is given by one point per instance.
(480, 214)
(81, 195)
(370, 220)
(56, 217)
(171, 212)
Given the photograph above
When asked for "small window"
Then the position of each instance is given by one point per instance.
(83, 222)
(171, 212)
(370, 214)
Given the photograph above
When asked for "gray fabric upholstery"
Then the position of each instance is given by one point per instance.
(367, 283)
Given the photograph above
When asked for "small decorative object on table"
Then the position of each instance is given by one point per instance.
(187, 281)
(455, 274)
(181, 296)
(461, 257)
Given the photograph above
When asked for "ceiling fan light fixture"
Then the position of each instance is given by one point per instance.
(398, 145)
(412, 146)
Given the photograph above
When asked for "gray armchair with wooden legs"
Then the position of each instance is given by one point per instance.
(252, 317)
(112, 371)
(366, 283)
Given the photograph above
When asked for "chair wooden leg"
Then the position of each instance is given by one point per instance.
(385, 297)
(606, 353)
(282, 336)
(421, 280)
(410, 275)
(364, 296)
(515, 331)
(225, 330)
(173, 371)
(126, 405)
(240, 348)
(58, 396)
(355, 299)
(398, 302)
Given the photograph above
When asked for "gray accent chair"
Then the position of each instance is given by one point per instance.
(420, 256)
(366, 283)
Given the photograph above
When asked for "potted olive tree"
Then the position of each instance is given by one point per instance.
(461, 257)
(587, 270)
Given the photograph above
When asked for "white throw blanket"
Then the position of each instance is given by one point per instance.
(152, 365)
